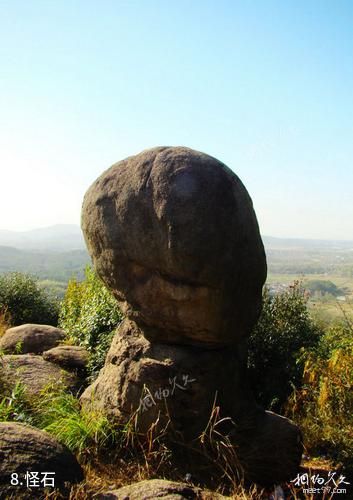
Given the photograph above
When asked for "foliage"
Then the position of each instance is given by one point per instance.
(5, 321)
(89, 315)
(323, 287)
(46, 264)
(25, 301)
(58, 412)
(284, 329)
(14, 407)
(323, 406)
(57, 288)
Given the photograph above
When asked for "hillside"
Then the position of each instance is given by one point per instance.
(57, 253)
(45, 264)
(60, 237)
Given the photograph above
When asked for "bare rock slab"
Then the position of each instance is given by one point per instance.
(159, 488)
(68, 356)
(26, 449)
(34, 373)
(31, 338)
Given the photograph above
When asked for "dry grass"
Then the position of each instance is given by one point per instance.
(211, 464)
(5, 321)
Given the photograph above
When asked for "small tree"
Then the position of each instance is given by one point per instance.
(89, 315)
(284, 329)
(25, 301)
(323, 405)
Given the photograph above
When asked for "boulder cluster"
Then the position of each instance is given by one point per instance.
(32, 355)
(173, 234)
(31, 459)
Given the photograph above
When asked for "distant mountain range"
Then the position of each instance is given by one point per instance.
(45, 264)
(55, 253)
(272, 243)
(59, 252)
(67, 237)
(61, 237)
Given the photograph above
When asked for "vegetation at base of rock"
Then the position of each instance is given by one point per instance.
(58, 412)
(286, 348)
(79, 429)
(276, 344)
(323, 405)
(89, 315)
(5, 321)
(25, 301)
(14, 407)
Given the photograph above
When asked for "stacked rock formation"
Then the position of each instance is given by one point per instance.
(172, 232)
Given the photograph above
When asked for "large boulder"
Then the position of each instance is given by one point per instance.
(31, 338)
(173, 233)
(269, 448)
(160, 488)
(68, 356)
(34, 373)
(25, 450)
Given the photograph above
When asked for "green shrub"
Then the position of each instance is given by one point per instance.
(323, 406)
(81, 430)
(58, 412)
(275, 346)
(89, 315)
(14, 407)
(25, 301)
(322, 287)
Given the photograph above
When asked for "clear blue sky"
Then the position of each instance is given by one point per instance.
(265, 86)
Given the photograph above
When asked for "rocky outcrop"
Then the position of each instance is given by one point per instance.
(34, 373)
(172, 232)
(143, 377)
(25, 450)
(159, 488)
(30, 338)
(68, 356)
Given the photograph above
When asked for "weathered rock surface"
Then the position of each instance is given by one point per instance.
(68, 356)
(270, 449)
(148, 377)
(26, 449)
(173, 234)
(34, 373)
(159, 488)
(31, 338)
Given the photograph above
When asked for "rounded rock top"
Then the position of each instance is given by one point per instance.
(173, 233)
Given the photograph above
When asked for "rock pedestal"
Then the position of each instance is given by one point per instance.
(172, 232)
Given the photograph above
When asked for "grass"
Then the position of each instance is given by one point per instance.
(5, 321)
(113, 457)
(80, 430)
(14, 407)
(59, 413)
